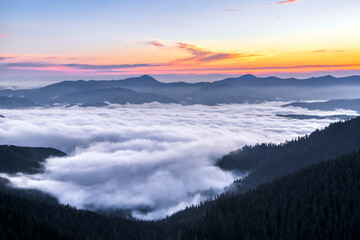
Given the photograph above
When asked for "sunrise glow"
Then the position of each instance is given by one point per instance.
(91, 39)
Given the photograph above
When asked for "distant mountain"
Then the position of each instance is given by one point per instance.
(322, 88)
(117, 95)
(224, 92)
(244, 89)
(332, 105)
(251, 80)
(304, 116)
(266, 162)
(15, 102)
(139, 90)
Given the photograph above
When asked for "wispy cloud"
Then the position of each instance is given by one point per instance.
(5, 58)
(231, 10)
(75, 65)
(156, 43)
(203, 55)
(106, 67)
(287, 1)
(328, 51)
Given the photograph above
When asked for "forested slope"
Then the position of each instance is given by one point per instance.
(318, 202)
(265, 162)
(25, 159)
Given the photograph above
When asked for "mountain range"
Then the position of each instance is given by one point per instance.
(145, 89)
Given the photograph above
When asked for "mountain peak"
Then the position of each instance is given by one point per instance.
(147, 78)
(248, 76)
(327, 76)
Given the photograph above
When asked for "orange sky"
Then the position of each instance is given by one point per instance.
(204, 37)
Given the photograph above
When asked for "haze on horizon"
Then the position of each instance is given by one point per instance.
(49, 41)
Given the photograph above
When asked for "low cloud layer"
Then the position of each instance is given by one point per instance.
(152, 159)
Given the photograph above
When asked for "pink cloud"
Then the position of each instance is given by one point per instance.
(328, 51)
(230, 10)
(286, 1)
(156, 43)
(202, 55)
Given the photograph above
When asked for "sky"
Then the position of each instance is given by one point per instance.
(176, 40)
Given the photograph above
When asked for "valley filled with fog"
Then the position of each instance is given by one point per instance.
(149, 159)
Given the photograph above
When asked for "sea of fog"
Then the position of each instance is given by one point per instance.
(151, 159)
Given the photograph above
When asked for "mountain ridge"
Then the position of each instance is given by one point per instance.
(247, 88)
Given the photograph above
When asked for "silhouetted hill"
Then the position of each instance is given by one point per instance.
(26, 216)
(112, 95)
(144, 84)
(15, 159)
(321, 88)
(246, 88)
(251, 80)
(266, 162)
(352, 104)
(224, 92)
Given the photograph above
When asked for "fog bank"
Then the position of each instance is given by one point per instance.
(152, 159)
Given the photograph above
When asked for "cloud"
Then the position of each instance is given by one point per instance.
(105, 67)
(287, 1)
(5, 58)
(75, 65)
(156, 43)
(194, 50)
(203, 55)
(3, 35)
(248, 69)
(154, 157)
(200, 54)
(29, 64)
(231, 10)
(328, 51)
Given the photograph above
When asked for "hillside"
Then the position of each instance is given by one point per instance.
(15, 159)
(318, 202)
(266, 162)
